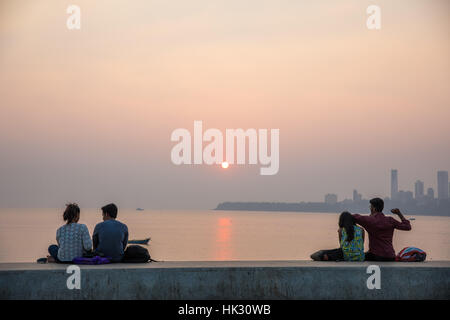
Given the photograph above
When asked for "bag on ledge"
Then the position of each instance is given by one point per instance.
(411, 254)
(93, 260)
(136, 254)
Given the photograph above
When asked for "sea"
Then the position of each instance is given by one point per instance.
(209, 235)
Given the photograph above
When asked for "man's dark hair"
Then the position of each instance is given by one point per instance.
(110, 210)
(377, 204)
(71, 212)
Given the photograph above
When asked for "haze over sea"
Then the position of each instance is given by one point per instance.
(25, 234)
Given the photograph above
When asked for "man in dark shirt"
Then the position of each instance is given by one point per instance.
(110, 237)
(381, 230)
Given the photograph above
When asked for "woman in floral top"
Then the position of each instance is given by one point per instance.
(351, 242)
(72, 238)
(351, 238)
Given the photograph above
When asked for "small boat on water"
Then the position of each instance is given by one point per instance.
(143, 241)
(139, 209)
(412, 219)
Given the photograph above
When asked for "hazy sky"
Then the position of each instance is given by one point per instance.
(86, 115)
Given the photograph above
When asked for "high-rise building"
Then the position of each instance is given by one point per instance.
(418, 190)
(442, 177)
(394, 184)
(430, 193)
(405, 196)
(330, 198)
(356, 196)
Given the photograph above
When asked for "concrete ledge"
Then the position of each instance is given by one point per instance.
(228, 280)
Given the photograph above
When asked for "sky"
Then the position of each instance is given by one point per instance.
(87, 115)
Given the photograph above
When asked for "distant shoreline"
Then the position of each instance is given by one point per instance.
(321, 207)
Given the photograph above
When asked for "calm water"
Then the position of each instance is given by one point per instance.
(212, 235)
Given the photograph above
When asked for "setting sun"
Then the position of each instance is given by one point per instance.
(224, 164)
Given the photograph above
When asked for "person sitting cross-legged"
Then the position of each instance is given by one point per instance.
(110, 237)
(73, 238)
(351, 241)
(381, 230)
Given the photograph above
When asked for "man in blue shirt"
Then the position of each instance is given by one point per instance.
(110, 237)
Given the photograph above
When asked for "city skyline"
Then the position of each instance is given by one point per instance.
(418, 193)
(419, 187)
(417, 203)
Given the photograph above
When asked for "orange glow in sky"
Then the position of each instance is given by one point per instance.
(86, 115)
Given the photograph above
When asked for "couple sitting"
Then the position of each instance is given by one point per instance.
(351, 236)
(109, 239)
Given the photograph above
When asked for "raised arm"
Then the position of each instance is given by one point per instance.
(361, 220)
(404, 224)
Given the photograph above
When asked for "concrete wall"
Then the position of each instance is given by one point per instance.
(228, 280)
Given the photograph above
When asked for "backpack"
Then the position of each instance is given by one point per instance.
(411, 254)
(136, 254)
